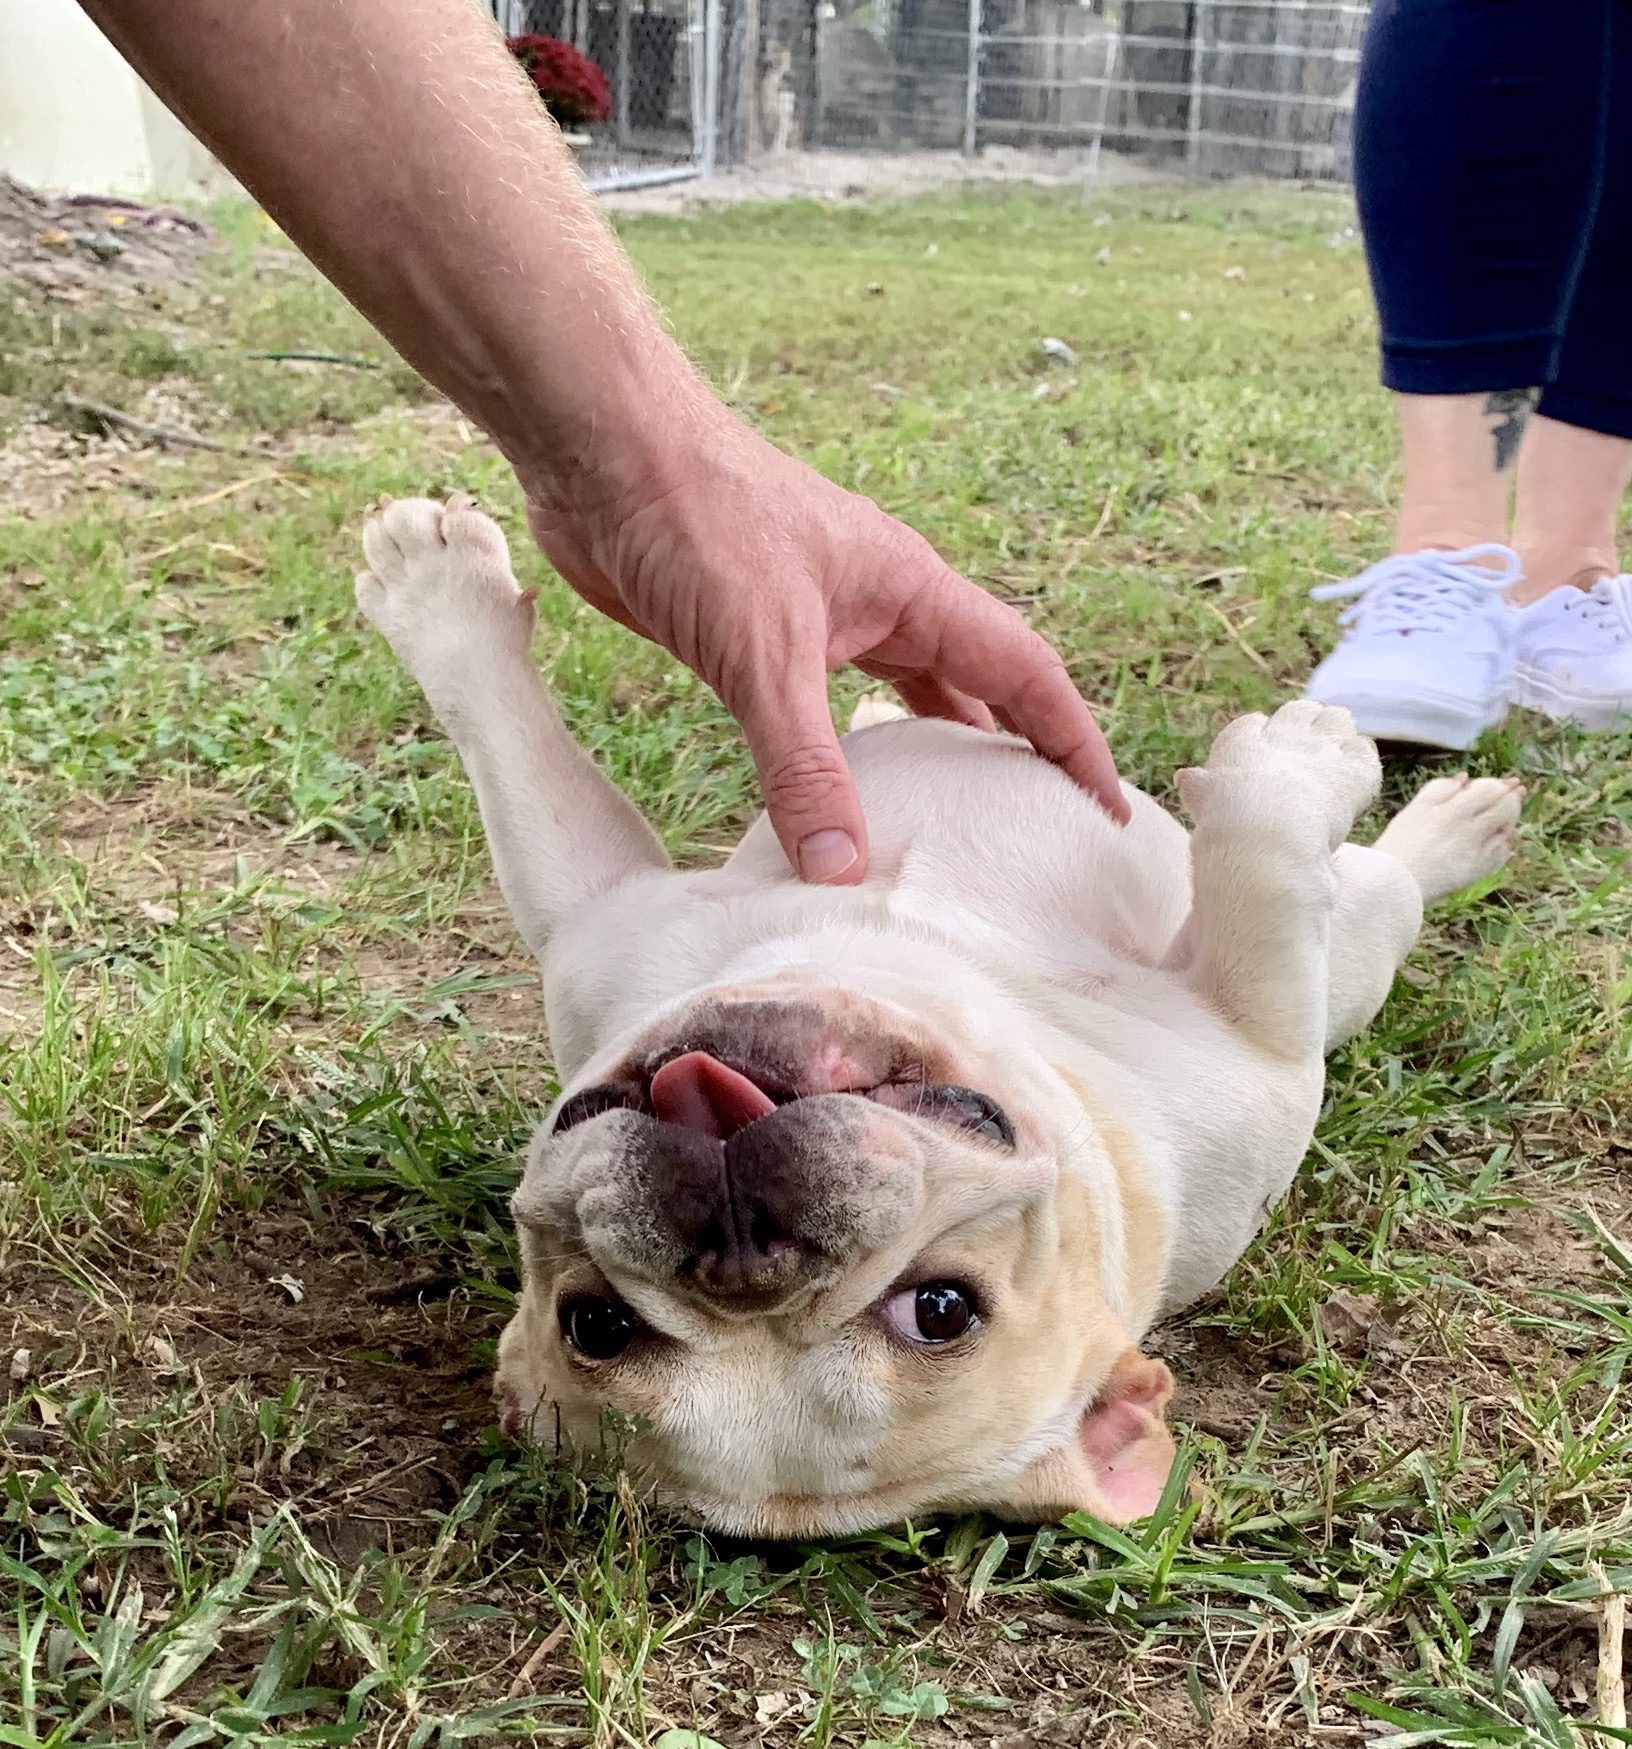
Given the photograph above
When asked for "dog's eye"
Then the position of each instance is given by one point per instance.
(971, 1111)
(934, 1312)
(593, 1102)
(598, 1327)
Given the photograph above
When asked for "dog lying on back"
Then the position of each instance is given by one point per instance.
(859, 1200)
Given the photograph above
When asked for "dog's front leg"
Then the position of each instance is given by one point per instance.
(1276, 798)
(440, 587)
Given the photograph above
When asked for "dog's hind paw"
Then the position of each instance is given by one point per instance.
(1307, 763)
(875, 708)
(1455, 831)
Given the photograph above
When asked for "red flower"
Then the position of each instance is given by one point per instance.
(574, 89)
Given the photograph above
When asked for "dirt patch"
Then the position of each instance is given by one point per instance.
(853, 176)
(48, 466)
(73, 247)
(375, 1357)
(1226, 1384)
(51, 466)
(193, 840)
(169, 860)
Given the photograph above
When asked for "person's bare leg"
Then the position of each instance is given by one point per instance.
(1570, 485)
(1459, 452)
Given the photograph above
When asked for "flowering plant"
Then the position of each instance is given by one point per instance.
(574, 89)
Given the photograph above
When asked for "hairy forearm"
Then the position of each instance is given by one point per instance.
(400, 148)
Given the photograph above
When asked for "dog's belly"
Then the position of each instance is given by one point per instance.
(976, 846)
(978, 833)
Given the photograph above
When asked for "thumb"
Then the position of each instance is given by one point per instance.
(810, 795)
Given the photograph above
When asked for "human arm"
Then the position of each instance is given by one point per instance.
(401, 149)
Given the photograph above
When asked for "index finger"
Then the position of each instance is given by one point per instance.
(989, 651)
(1054, 717)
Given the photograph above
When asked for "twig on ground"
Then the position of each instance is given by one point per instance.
(349, 359)
(171, 548)
(113, 420)
(146, 215)
(525, 1674)
(434, 1284)
(1236, 638)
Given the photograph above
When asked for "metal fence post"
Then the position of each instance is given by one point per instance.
(623, 72)
(694, 70)
(1198, 80)
(1111, 70)
(971, 90)
(711, 86)
(748, 81)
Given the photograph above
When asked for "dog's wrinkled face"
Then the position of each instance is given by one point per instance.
(839, 1267)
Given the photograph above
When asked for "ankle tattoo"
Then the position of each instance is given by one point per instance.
(1510, 409)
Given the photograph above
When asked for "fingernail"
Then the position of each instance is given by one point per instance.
(824, 856)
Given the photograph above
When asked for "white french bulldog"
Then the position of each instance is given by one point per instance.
(859, 1200)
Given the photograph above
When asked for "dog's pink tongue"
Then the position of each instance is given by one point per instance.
(699, 1093)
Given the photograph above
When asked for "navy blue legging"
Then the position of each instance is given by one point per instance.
(1493, 164)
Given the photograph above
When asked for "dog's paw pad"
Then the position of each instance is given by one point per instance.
(1456, 830)
(439, 575)
(1307, 758)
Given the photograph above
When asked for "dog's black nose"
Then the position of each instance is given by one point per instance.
(739, 1207)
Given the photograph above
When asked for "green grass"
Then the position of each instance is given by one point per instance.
(270, 1049)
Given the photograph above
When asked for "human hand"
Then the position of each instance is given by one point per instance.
(762, 576)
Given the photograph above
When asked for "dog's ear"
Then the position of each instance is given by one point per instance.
(1124, 1441)
(1116, 1464)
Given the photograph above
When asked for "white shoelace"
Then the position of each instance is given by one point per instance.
(1427, 591)
(1603, 608)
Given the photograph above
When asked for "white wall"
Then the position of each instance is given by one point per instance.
(74, 117)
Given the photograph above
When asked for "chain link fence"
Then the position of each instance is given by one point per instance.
(1047, 88)
(1208, 87)
(652, 54)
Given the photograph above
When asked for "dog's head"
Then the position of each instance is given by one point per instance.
(839, 1265)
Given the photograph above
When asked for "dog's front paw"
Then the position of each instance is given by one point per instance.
(1307, 763)
(439, 585)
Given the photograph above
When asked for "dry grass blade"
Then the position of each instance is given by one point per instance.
(1611, 1682)
(186, 506)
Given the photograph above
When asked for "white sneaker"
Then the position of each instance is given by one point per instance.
(1575, 654)
(1428, 656)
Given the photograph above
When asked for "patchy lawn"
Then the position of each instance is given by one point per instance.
(268, 1049)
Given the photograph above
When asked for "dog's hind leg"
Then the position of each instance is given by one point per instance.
(1453, 832)
(1276, 798)
(440, 587)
